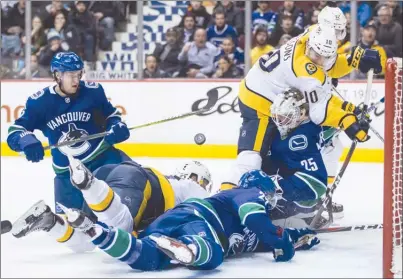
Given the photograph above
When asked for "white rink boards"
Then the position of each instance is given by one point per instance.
(350, 254)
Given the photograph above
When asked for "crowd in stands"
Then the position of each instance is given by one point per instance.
(208, 42)
(80, 26)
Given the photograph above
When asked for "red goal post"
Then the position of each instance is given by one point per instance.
(393, 171)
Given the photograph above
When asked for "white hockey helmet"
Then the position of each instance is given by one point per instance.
(289, 110)
(196, 171)
(333, 17)
(321, 45)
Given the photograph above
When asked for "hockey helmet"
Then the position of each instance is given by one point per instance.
(333, 17)
(196, 171)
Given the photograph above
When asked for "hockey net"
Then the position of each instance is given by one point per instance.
(393, 180)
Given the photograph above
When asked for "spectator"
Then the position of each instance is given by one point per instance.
(364, 12)
(234, 53)
(220, 30)
(234, 16)
(53, 47)
(69, 35)
(107, 13)
(261, 41)
(297, 14)
(226, 69)
(13, 25)
(152, 70)
(50, 13)
(198, 56)
(167, 54)
(85, 23)
(313, 18)
(286, 27)
(200, 13)
(397, 10)
(368, 41)
(38, 36)
(283, 40)
(264, 16)
(389, 33)
(37, 71)
(189, 27)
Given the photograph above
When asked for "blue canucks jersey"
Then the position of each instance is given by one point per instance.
(240, 219)
(67, 118)
(297, 164)
(216, 36)
(237, 56)
(269, 19)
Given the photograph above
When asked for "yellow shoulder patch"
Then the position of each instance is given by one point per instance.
(303, 67)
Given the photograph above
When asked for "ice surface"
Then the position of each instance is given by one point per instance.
(347, 254)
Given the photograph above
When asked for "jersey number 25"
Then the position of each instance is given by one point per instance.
(270, 61)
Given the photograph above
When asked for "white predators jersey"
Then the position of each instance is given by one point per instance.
(288, 67)
(185, 189)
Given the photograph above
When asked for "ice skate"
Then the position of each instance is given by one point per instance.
(80, 176)
(338, 211)
(175, 249)
(38, 217)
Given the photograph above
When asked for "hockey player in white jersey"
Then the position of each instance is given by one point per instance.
(127, 196)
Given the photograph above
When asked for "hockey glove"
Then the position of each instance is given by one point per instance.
(284, 249)
(119, 133)
(364, 60)
(298, 235)
(357, 110)
(354, 128)
(31, 146)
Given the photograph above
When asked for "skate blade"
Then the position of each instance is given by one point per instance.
(21, 226)
(174, 249)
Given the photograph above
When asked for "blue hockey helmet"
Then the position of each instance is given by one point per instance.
(66, 62)
(259, 179)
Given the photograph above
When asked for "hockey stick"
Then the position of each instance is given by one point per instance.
(6, 226)
(350, 228)
(103, 134)
(330, 190)
(370, 127)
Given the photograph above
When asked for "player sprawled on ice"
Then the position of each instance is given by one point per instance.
(197, 232)
(66, 111)
(307, 62)
(125, 195)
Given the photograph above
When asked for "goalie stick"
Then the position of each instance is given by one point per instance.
(327, 201)
(103, 134)
(6, 226)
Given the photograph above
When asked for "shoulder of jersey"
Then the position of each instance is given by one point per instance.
(303, 67)
(42, 95)
(90, 85)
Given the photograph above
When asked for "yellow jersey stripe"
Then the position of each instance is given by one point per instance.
(104, 205)
(67, 235)
(146, 197)
(166, 188)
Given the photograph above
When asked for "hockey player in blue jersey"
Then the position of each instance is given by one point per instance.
(200, 233)
(69, 110)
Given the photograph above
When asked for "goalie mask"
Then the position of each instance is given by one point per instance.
(289, 110)
(197, 172)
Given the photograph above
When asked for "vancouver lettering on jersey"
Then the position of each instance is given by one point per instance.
(69, 117)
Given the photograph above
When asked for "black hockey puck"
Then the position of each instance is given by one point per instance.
(200, 139)
(6, 226)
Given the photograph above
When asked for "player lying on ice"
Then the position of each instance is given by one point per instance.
(198, 233)
(126, 195)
